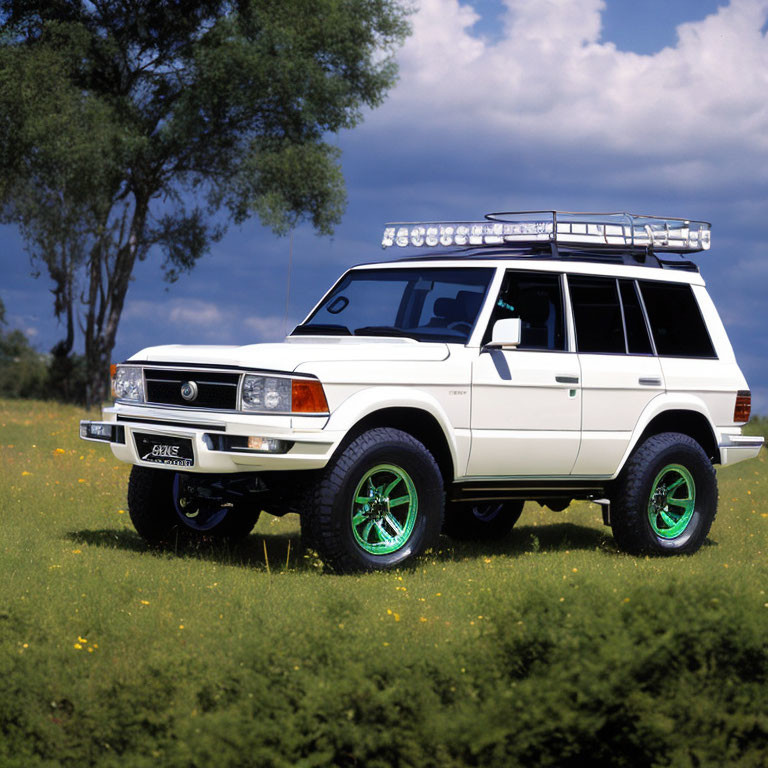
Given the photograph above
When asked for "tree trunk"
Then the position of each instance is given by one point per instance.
(106, 297)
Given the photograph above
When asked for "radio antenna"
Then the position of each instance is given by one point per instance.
(288, 281)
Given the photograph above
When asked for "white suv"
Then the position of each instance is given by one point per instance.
(542, 356)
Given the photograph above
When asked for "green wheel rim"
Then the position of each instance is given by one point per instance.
(672, 501)
(384, 509)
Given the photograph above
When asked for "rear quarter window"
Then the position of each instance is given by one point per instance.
(676, 322)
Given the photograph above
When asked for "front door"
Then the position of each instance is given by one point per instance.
(526, 402)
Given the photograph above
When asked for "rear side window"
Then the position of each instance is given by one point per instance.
(597, 314)
(676, 322)
(537, 299)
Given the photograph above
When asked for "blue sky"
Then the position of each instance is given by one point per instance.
(640, 105)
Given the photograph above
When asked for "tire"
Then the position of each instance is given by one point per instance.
(666, 497)
(348, 517)
(162, 513)
(481, 521)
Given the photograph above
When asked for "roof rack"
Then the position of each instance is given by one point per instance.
(629, 257)
(567, 228)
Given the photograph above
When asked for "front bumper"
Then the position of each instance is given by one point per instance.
(218, 440)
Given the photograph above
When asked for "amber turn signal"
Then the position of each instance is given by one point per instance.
(307, 396)
(743, 407)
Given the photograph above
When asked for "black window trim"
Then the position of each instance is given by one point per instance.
(639, 295)
(569, 317)
(623, 318)
(640, 298)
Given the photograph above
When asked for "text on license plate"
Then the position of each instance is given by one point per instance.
(164, 449)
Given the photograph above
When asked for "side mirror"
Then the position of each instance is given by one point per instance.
(506, 333)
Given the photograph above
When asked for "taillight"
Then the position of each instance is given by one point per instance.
(307, 396)
(743, 406)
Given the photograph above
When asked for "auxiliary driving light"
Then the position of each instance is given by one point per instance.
(267, 445)
(560, 227)
(246, 444)
(108, 433)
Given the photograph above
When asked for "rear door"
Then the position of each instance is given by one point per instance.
(620, 371)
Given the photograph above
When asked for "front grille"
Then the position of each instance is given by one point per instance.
(214, 389)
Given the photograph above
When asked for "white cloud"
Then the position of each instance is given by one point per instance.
(188, 320)
(200, 314)
(270, 328)
(550, 84)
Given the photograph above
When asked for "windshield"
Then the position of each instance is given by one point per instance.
(432, 304)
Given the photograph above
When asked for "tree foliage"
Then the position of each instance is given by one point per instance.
(132, 127)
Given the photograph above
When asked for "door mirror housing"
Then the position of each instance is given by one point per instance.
(506, 333)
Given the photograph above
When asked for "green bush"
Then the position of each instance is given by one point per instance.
(23, 371)
(674, 679)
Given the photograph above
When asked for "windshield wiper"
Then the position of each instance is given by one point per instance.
(324, 329)
(383, 330)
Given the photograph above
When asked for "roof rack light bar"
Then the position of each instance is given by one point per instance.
(622, 230)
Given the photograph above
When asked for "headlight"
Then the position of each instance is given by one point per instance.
(266, 393)
(270, 394)
(128, 383)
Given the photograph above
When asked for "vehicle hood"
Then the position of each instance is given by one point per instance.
(296, 351)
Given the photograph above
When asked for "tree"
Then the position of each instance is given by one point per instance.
(130, 127)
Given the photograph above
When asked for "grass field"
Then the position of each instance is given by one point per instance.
(549, 648)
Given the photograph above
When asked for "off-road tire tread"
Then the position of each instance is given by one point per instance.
(146, 487)
(150, 507)
(629, 499)
(319, 528)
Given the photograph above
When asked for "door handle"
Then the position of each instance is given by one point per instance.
(567, 379)
(649, 382)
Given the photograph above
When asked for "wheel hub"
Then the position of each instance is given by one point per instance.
(384, 509)
(199, 506)
(378, 506)
(672, 501)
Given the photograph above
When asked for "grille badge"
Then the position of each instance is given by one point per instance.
(189, 391)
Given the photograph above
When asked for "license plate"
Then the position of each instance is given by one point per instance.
(161, 449)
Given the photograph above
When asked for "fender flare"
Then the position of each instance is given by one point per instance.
(662, 403)
(368, 401)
